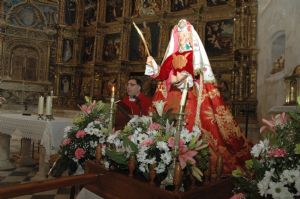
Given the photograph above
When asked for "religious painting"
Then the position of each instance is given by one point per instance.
(65, 82)
(114, 9)
(218, 37)
(177, 5)
(67, 52)
(108, 81)
(88, 49)
(137, 48)
(90, 12)
(216, 2)
(70, 12)
(145, 7)
(112, 47)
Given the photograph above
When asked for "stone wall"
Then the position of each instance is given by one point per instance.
(274, 17)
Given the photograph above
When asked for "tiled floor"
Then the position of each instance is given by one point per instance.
(24, 174)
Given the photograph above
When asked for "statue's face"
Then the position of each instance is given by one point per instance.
(184, 39)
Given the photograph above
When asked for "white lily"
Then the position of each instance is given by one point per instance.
(159, 106)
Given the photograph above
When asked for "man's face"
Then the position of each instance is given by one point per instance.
(133, 88)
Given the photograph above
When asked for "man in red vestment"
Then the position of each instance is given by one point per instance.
(136, 103)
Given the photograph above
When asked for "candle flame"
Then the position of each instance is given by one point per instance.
(113, 89)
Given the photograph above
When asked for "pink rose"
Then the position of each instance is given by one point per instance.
(67, 141)
(238, 196)
(277, 153)
(154, 126)
(80, 134)
(147, 142)
(79, 153)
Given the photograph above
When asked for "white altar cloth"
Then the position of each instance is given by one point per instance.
(49, 132)
(84, 194)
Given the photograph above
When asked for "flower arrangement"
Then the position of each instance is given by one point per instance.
(274, 170)
(151, 140)
(90, 128)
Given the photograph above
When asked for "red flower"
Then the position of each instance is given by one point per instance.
(277, 153)
(67, 141)
(79, 153)
(80, 134)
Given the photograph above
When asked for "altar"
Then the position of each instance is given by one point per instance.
(48, 132)
(113, 185)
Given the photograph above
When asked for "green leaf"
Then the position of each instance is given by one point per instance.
(132, 146)
(197, 173)
(117, 157)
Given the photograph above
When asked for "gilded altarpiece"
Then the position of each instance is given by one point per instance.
(27, 37)
(94, 45)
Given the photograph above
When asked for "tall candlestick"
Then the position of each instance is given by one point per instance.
(112, 102)
(184, 93)
(41, 105)
(49, 105)
(180, 117)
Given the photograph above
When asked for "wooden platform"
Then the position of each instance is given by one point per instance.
(114, 185)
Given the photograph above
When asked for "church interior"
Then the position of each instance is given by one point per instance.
(65, 50)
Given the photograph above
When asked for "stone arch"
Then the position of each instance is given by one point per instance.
(26, 15)
(25, 62)
(278, 50)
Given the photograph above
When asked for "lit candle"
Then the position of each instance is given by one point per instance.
(49, 105)
(113, 92)
(184, 94)
(112, 99)
(41, 105)
(292, 93)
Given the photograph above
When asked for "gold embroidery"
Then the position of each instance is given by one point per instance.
(209, 114)
(227, 125)
(179, 61)
(214, 93)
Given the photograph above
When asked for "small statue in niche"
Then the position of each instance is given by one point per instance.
(281, 62)
(278, 65)
(67, 50)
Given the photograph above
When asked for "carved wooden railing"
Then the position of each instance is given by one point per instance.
(46, 185)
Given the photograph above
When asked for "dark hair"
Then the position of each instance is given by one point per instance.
(138, 81)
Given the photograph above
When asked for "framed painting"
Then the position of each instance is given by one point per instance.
(151, 32)
(70, 12)
(90, 12)
(65, 81)
(216, 2)
(88, 49)
(219, 37)
(177, 5)
(108, 82)
(112, 47)
(114, 10)
(145, 7)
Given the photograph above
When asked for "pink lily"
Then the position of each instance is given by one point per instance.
(278, 120)
(186, 155)
(88, 108)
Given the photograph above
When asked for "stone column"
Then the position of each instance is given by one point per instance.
(5, 163)
(26, 159)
